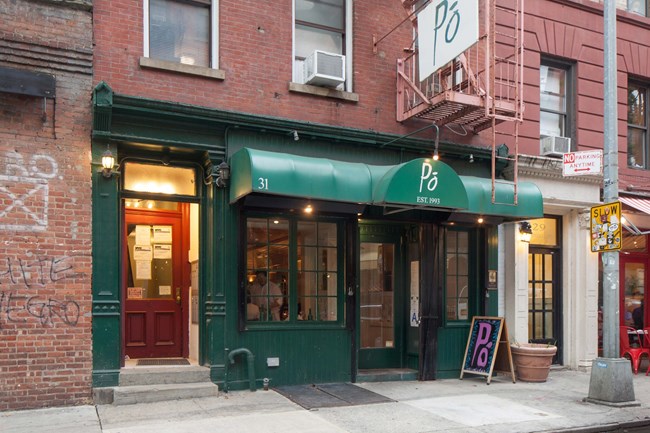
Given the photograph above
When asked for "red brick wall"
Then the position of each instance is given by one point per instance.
(573, 31)
(45, 209)
(255, 53)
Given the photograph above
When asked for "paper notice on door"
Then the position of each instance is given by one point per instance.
(162, 251)
(142, 252)
(135, 293)
(162, 234)
(143, 269)
(414, 316)
(165, 290)
(142, 235)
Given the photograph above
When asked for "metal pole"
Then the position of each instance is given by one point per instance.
(610, 184)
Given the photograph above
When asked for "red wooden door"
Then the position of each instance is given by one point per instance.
(153, 275)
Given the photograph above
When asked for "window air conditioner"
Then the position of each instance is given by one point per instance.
(324, 69)
(554, 146)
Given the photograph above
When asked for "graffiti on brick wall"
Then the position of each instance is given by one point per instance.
(46, 310)
(33, 272)
(24, 191)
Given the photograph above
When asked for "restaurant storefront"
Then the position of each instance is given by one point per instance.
(328, 257)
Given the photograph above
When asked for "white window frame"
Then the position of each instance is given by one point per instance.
(348, 45)
(214, 32)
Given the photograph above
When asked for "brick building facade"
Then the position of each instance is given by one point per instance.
(229, 92)
(45, 270)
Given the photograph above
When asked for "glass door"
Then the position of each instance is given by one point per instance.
(544, 308)
(380, 308)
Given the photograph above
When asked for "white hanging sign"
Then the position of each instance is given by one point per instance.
(446, 28)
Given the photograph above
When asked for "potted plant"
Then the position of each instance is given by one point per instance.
(532, 360)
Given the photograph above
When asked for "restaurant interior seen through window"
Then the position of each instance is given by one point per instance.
(457, 292)
(634, 265)
(292, 270)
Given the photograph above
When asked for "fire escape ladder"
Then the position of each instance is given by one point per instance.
(480, 89)
(506, 49)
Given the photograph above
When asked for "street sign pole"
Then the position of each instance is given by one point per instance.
(611, 377)
(610, 186)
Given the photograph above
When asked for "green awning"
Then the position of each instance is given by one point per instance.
(530, 203)
(298, 176)
(420, 183)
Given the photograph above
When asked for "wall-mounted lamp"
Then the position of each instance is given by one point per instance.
(108, 164)
(525, 231)
(223, 174)
(471, 158)
(295, 135)
(309, 209)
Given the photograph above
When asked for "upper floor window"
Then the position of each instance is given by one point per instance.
(636, 6)
(639, 7)
(553, 116)
(637, 126)
(181, 31)
(321, 42)
(554, 112)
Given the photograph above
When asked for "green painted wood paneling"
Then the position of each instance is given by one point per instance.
(305, 356)
(492, 301)
(452, 342)
(106, 283)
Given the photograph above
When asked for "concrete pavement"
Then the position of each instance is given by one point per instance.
(450, 405)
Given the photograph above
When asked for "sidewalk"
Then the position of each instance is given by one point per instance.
(449, 405)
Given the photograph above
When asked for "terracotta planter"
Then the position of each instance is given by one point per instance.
(532, 361)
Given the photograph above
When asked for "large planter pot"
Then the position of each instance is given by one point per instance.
(532, 361)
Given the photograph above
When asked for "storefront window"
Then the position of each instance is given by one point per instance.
(283, 289)
(457, 259)
(634, 291)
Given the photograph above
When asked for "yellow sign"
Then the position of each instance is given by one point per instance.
(606, 227)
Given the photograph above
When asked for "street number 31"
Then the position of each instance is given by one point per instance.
(263, 183)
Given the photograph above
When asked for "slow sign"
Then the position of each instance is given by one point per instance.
(581, 163)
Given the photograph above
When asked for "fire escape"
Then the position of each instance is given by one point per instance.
(481, 89)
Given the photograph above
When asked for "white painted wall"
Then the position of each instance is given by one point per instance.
(193, 258)
(570, 198)
(513, 286)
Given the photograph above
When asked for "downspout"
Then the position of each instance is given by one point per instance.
(250, 359)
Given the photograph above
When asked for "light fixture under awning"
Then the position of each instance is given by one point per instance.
(417, 184)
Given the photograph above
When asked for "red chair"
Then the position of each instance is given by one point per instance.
(645, 338)
(634, 353)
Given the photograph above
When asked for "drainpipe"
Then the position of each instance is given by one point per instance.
(250, 359)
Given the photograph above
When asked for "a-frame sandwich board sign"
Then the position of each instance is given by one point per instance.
(488, 348)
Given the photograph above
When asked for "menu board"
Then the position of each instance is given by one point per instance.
(487, 347)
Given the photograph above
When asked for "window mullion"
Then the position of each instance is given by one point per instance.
(292, 284)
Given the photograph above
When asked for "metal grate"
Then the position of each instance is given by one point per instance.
(163, 361)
